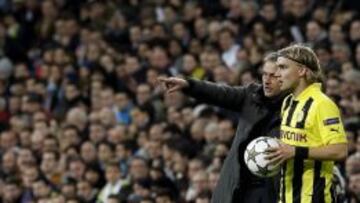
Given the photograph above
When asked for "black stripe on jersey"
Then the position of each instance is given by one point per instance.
(287, 103)
(333, 193)
(321, 190)
(318, 184)
(301, 124)
(291, 112)
(283, 183)
(297, 179)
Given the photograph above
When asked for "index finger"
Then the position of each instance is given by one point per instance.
(271, 149)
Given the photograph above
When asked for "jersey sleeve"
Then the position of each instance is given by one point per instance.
(330, 125)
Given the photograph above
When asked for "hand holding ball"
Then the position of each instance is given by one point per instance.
(255, 154)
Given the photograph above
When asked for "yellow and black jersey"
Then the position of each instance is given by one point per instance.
(309, 120)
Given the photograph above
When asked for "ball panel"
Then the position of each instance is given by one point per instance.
(261, 161)
(273, 142)
(254, 157)
(261, 146)
(252, 166)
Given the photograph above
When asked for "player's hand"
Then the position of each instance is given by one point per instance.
(278, 155)
(172, 84)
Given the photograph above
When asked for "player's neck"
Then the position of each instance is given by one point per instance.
(300, 88)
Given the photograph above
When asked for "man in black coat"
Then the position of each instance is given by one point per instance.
(259, 109)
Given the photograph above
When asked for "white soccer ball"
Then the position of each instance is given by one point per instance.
(255, 157)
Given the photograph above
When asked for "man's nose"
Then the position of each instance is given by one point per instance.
(277, 73)
(266, 79)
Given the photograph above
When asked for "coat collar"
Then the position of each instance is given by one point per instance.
(261, 99)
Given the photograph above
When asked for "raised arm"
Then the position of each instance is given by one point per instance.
(207, 92)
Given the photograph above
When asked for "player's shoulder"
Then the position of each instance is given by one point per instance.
(322, 100)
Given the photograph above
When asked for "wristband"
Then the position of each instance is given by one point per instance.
(301, 152)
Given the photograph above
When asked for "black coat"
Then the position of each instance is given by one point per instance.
(258, 116)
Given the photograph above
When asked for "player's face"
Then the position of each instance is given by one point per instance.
(289, 73)
(271, 84)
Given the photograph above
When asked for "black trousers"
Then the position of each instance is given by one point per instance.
(258, 195)
(265, 192)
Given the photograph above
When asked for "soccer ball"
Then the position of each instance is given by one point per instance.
(255, 157)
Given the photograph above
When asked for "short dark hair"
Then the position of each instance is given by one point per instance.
(55, 153)
(112, 164)
(163, 192)
(271, 57)
(149, 199)
(227, 30)
(12, 180)
(121, 197)
(109, 144)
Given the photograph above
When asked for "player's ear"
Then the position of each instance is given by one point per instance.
(302, 71)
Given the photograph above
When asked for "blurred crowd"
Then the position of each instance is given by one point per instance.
(82, 119)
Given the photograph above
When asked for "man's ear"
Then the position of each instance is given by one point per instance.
(302, 71)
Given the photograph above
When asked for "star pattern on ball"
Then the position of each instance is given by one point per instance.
(262, 170)
(252, 154)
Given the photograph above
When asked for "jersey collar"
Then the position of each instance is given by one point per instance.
(305, 93)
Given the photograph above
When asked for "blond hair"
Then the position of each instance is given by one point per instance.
(305, 56)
